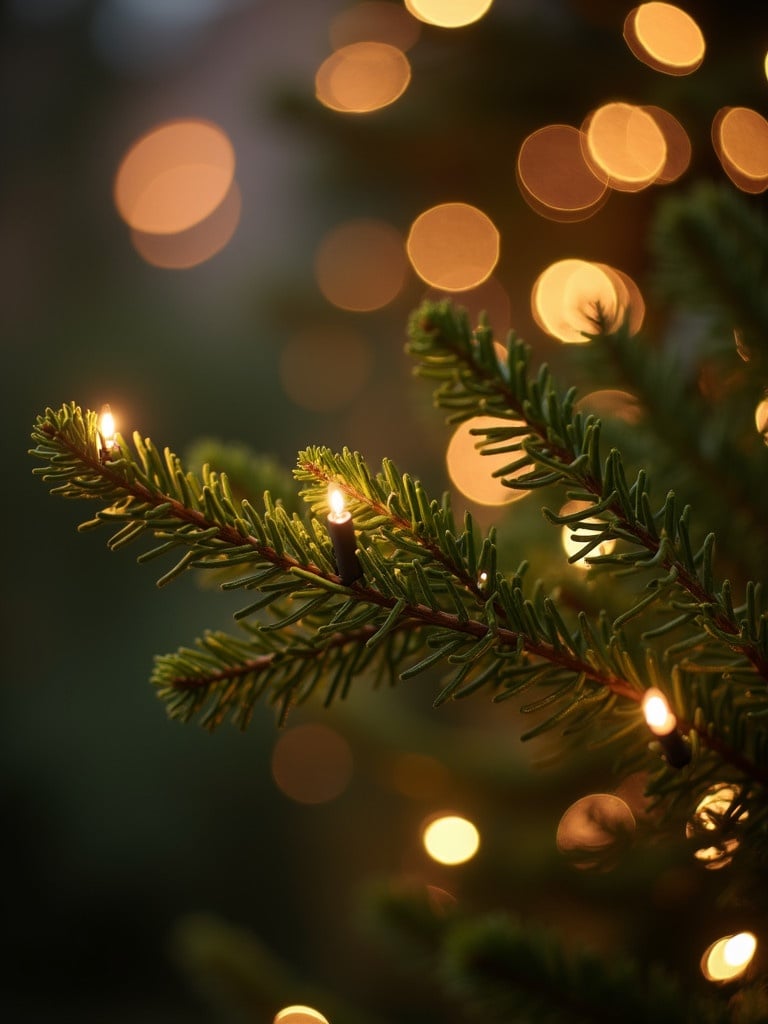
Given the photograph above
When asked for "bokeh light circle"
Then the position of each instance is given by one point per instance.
(298, 1014)
(570, 295)
(201, 242)
(555, 179)
(571, 546)
(361, 265)
(453, 246)
(678, 145)
(665, 38)
(761, 417)
(729, 957)
(611, 403)
(470, 472)
(311, 763)
(626, 144)
(712, 815)
(450, 839)
(448, 13)
(740, 139)
(174, 176)
(324, 368)
(595, 830)
(362, 77)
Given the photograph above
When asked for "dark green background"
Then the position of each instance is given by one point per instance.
(116, 822)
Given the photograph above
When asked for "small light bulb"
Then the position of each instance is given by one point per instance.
(342, 533)
(658, 715)
(662, 722)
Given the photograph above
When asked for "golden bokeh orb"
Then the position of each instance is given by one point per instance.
(740, 139)
(729, 957)
(711, 813)
(361, 265)
(554, 177)
(197, 244)
(624, 142)
(362, 77)
(298, 1014)
(453, 246)
(678, 145)
(572, 297)
(761, 416)
(471, 472)
(311, 763)
(571, 546)
(450, 839)
(611, 403)
(595, 830)
(665, 37)
(448, 13)
(174, 176)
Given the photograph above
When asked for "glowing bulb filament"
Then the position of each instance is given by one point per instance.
(658, 715)
(107, 427)
(336, 501)
(107, 432)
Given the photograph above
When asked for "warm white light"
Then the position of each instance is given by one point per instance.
(740, 949)
(107, 427)
(451, 839)
(660, 718)
(729, 957)
(448, 13)
(336, 501)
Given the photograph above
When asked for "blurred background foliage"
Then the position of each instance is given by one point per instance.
(119, 824)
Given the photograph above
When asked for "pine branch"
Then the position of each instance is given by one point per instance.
(242, 980)
(504, 968)
(702, 439)
(711, 252)
(431, 597)
(555, 445)
(511, 970)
